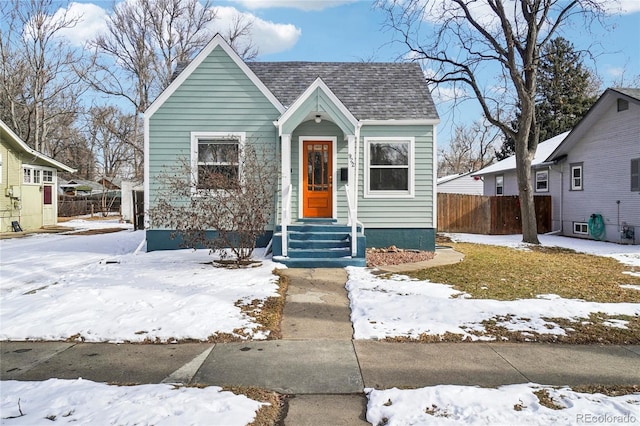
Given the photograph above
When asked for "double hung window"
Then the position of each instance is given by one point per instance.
(217, 159)
(389, 167)
(576, 177)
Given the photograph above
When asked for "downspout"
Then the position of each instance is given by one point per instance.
(355, 183)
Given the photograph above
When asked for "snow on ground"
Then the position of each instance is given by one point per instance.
(627, 254)
(404, 307)
(506, 405)
(97, 287)
(88, 403)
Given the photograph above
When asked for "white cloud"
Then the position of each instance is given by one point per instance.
(92, 20)
(267, 36)
(622, 7)
(307, 5)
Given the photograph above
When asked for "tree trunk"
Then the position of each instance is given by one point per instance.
(525, 190)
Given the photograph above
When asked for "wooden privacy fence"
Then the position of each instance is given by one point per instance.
(478, 214)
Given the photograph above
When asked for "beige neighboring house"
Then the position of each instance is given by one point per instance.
(28, 180)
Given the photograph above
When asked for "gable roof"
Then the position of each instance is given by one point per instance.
(544, 151)
(6, 134)
(371, 91)
(216, 41)
(317, 85)
(606, 101)
(449, 178)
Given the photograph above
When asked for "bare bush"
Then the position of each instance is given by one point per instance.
(234, 201)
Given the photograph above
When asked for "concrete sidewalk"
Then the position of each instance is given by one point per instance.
(318, 364)
(324, 366)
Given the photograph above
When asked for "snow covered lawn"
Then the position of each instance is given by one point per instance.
(507, 405)
(404, 308)
(99, 288)
(84, 402)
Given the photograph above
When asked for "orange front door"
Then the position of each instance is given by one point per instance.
(317, 181)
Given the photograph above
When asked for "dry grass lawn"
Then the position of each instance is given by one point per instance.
(503, 273)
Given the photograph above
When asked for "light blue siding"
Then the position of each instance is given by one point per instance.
(216, 97)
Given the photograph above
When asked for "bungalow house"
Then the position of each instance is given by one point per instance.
(461, 183)
(592, 173)
(364, 133)
(29, 180)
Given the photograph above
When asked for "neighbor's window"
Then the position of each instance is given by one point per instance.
(30, 175)
(500, 185)
(27, 175)
(389, 163)
(580, 228)
(576, 177)
(542, 181)
(47, 176)
(217, 159)
(635, 174)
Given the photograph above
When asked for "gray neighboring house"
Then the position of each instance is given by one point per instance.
(462, 183)
(592, 170)
(355, 144)
(500, 178)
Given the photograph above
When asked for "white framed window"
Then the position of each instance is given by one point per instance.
(216, 159)
(31, 175)
(576, 177)
(542, 181)
(389, 164)
(499, 185)
(580, 228)
(47, 176)
(27, 175)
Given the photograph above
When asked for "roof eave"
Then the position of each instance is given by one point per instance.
(27, 149)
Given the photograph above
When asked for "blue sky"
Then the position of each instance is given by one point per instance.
(352, 30)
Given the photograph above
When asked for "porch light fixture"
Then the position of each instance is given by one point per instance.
(318, 119)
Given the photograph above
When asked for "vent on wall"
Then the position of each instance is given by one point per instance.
(623, 104)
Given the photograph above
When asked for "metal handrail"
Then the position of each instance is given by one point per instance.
(286, 218)
(353, 220)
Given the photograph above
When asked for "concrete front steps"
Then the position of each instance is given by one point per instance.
(319, 244)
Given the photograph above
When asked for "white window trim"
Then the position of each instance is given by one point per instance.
(34, 170)
(539, 172)
(573, 186)
(196, 136)
(410, 193)
(502, 185)
(53, 176)
(581, 224)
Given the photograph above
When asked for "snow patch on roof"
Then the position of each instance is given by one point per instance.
(545, 149)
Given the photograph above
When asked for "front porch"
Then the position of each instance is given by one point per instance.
(319, 243)
(317, 225)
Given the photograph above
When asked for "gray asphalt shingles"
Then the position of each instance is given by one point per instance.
(371, 91)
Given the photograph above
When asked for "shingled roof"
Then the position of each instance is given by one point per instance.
(371, 91)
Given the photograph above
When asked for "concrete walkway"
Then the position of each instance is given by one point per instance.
(318, 364)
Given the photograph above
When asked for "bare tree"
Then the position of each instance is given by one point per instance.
(218, 207)
(473, 39)
(39, 85)
(108, 131)
(471, 149)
